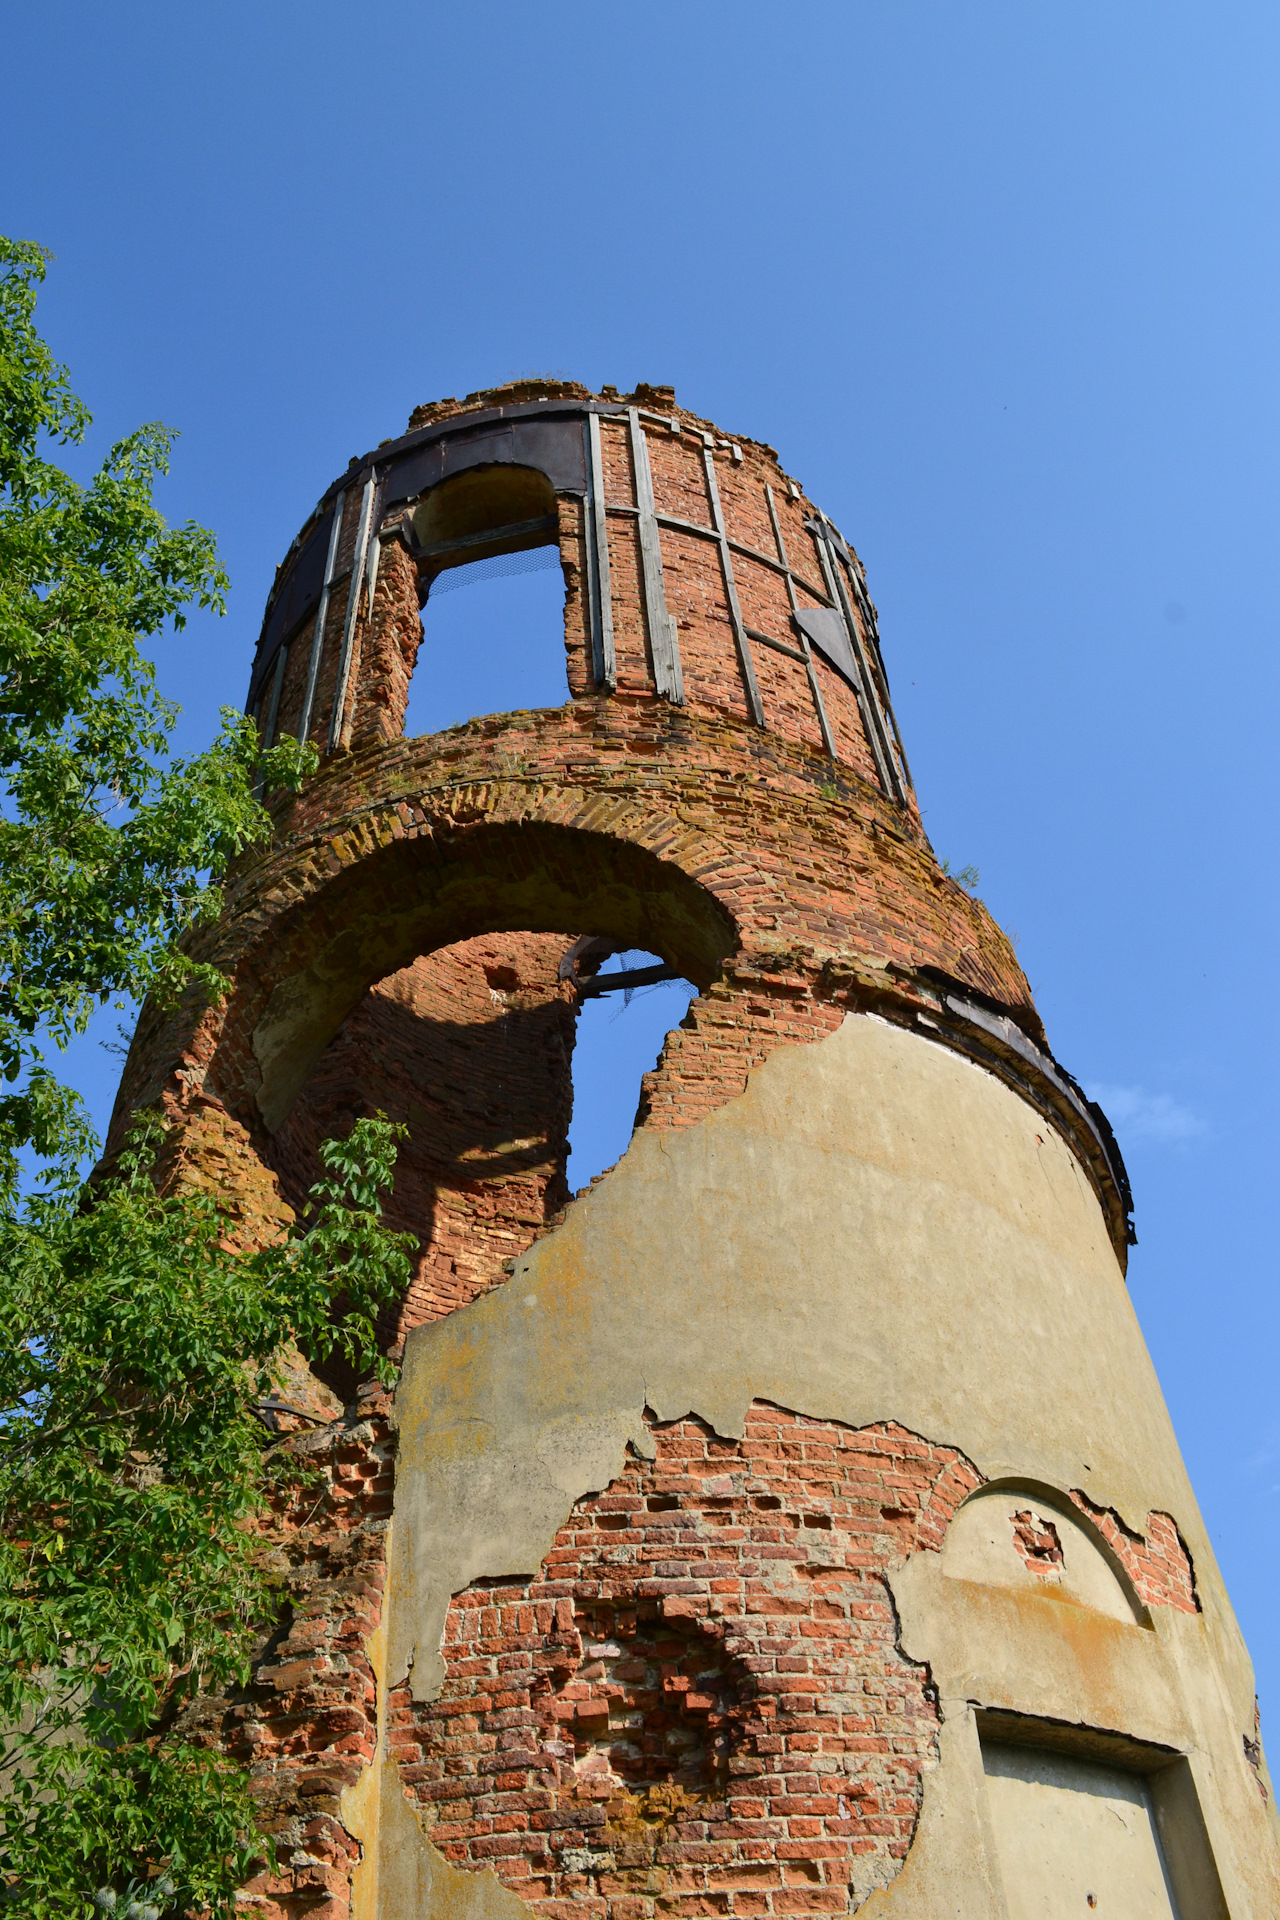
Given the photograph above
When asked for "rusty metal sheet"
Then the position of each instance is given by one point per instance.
(554, 447)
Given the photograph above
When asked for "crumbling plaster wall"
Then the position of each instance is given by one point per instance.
(875, 1231)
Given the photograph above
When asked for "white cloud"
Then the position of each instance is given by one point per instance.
(1138, 1115)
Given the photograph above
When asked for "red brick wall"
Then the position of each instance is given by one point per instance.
(471, 1047)
(385, 639)
(306, 1726)
(697, 1706)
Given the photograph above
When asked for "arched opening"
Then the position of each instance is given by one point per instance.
(518, 1079)
(492, 596)
(413, 896)
(443, 983)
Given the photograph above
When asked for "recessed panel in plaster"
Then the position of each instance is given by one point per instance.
(1074, 1838)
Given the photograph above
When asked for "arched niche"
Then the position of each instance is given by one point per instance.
(1030, 1537)
(482, 512)
(417, 895)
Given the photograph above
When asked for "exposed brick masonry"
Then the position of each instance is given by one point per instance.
(306, 1726)
(470, 1047)
(386, 637)
(698, 1705)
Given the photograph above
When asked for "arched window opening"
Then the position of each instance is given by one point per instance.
(498, 646)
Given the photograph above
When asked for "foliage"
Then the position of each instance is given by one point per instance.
(967, 877)
(134, 1336)
(134, 1341)
(105, 842)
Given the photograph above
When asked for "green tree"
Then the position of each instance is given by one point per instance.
(135, 1338)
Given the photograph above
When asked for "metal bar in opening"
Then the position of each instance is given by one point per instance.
(353, 609)
(731, 590)
(865, 702)
(598, 580)
(322, 616)
(633, 977)
(662, 628)
(819, 704)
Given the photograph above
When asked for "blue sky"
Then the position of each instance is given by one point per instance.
(1000, 283)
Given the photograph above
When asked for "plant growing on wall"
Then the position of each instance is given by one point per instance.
(135, 1336)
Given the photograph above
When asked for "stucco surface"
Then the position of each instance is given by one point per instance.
(875, 1230)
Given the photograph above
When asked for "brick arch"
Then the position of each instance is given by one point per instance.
(716, 843)
(412, 895)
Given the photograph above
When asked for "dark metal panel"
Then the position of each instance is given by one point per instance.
(295, 598)
(539, 412)
(555, 447)
(415, 473)
(824, 629)
(490, 448)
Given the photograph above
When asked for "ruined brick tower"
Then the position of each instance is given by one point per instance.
(791, 1522)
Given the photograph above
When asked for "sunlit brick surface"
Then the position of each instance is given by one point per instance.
(698, 1705)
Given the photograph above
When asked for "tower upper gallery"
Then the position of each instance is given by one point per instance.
(696, 571)
(723, 679)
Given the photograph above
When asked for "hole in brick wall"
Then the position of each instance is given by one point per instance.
(495, 646)
(619, 1038)
(650, 1705)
